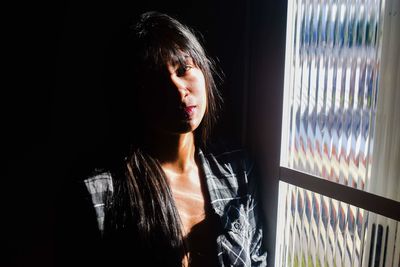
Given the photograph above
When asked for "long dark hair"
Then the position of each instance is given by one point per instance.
(141, 215)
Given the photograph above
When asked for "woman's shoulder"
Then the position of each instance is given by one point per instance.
(99, 181)
(228, 167)
(99, 186)
(226, 154)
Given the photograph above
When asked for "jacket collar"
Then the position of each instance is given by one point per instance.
(211, 187)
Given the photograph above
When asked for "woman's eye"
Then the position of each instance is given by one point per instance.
(183, 69)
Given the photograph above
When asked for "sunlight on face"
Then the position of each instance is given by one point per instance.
(178, 99)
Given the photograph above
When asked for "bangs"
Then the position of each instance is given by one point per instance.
(161, 48)
(160, 55)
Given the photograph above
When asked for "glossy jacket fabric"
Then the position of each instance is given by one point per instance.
(233, 195)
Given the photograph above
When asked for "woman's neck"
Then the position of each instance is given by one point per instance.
(175, 152)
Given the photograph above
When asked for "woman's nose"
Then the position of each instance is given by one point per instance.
(180, 85)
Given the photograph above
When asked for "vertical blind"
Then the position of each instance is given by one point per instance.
(341, 122)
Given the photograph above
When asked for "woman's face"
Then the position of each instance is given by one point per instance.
(175, 99)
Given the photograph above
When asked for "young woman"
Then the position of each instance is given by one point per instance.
(171, 201)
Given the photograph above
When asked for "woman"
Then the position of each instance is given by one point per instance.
(171, 201)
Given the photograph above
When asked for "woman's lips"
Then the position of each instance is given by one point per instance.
(189, 111)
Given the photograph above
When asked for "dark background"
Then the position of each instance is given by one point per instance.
(57, 118)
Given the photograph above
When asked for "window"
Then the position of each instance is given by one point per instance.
(339, 188)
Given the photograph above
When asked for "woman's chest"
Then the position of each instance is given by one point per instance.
(189, 194)
(189, 201)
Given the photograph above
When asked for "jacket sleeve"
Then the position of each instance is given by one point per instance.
(258, 253)
(77, 232)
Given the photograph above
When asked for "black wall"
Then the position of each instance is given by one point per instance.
(87, 60)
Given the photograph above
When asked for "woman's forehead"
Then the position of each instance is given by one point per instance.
(179, 58)
(163, 58)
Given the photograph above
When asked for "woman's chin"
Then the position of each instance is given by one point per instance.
(184, 127)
